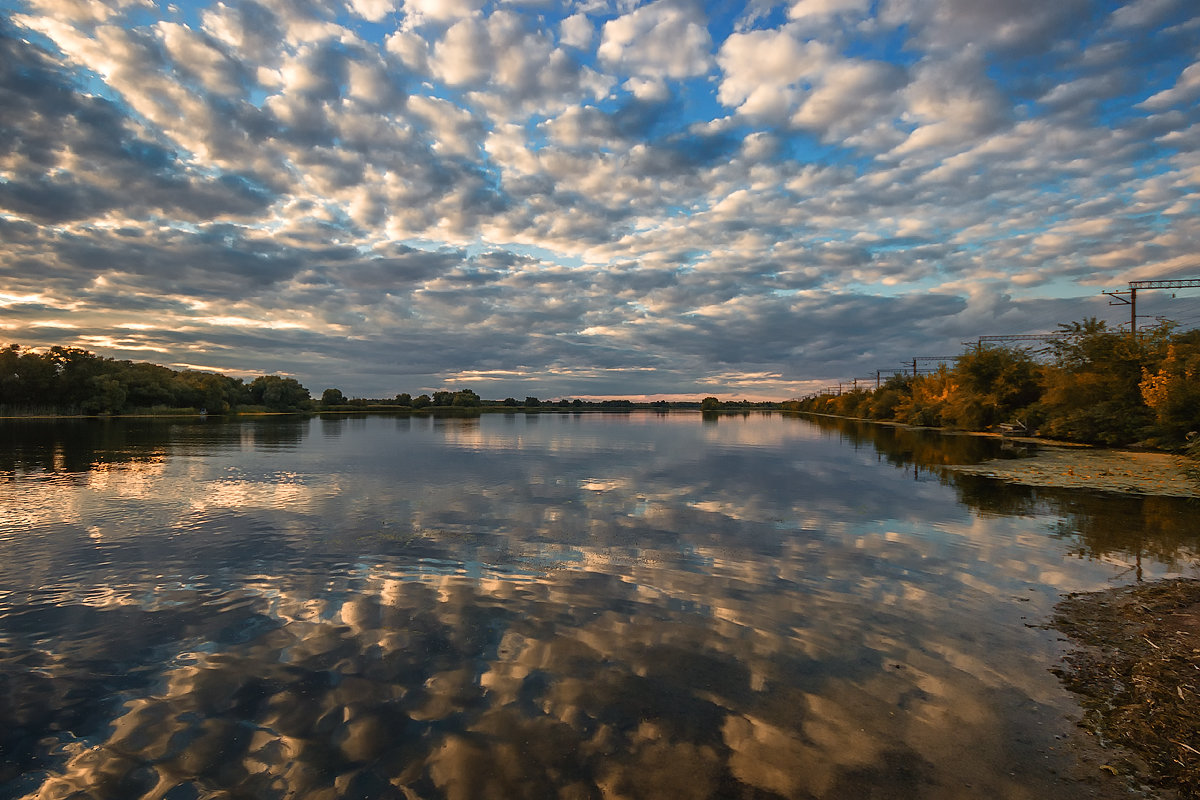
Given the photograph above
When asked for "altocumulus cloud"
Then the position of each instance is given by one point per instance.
(587, 198)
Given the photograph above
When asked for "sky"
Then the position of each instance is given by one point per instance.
(597, 198)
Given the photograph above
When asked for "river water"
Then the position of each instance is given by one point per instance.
(541, 606)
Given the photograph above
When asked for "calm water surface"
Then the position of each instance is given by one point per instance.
(574, 606)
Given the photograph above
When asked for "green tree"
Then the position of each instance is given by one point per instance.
(404, 399)
(150, 385)
(211, 391)
(107, 396)
(74, 370)
(279, 394)
(532, 402)
(26, 378)
(710, 404)
(887, 399)
(466, 398)
(993, 384)
(332, 397)
(422, 401)
(1092, 390)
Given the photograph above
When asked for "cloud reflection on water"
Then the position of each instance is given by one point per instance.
(642, 616)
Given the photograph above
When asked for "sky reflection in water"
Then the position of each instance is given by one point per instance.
(539, 606)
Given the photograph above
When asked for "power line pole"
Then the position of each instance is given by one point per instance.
(930, 358)
(1120, 297)
(1128, 297)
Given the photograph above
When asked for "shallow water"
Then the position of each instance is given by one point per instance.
(587, 605)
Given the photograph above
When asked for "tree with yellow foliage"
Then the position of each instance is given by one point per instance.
(1173, 390)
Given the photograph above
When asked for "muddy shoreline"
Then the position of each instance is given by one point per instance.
(1136, 671)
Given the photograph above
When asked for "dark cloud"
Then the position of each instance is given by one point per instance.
(74, 156)
(1017, 26)
(400, 272)
(247, 27)
(687, 151)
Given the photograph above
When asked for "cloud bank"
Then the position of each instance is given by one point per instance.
(587, 198)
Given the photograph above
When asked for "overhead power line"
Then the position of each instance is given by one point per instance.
(1124, 297)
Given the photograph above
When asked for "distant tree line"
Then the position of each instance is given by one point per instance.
(1098, 386)
(716, 404)
(465, 398)
(69, 380)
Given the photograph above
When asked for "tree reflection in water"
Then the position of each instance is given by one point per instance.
(1126, 528)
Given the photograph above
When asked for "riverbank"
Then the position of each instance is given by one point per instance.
(351, 410)
(1136, 669)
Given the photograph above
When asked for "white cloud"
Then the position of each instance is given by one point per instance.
(420, 12)
(849, 97)
(776, 76)
(648, 89)
(1083, 93)
(1141, 13)
(763, 71)
(506, 146)
(803, 9)
(464, 56)
(86, 11)
(1185, 90)
(577, 31)
(454, 130)
(661, 40)
(304, 21)
(373, 10)
(249, 30)
(313, 71)
(412, 50)
(951, 102)
(198, 58)
(515, 70)
(369, 83)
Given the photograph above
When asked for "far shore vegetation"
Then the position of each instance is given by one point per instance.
(65, 381)
(1091, 385)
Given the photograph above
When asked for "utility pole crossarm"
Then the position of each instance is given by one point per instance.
(1183, 283)
(1022, 337)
